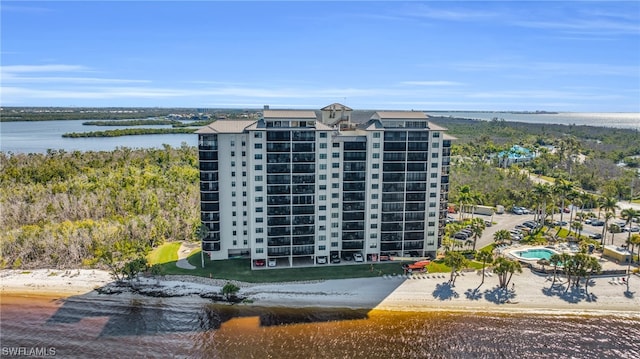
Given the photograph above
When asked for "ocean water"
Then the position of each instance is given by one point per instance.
(38, 137)
(630, 120)
(126, 327)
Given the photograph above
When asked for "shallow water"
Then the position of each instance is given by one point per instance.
(114, 326)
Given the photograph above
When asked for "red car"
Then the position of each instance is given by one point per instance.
(258, 262)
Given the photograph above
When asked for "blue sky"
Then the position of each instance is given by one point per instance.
(581, 56)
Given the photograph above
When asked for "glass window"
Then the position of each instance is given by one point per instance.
(323, 156)
(259, 240)
(257, 146)
(335, 154)
(376, 135)
(322, 248)
(233, 153)
(376, 155)
(323, 145)
(259, 230)
(376, 145)
(335, 165)
(323, 135)
(375, 165)
(257, 134)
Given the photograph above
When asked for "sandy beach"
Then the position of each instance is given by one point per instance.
(531, 292)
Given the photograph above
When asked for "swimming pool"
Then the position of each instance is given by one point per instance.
(534, 254)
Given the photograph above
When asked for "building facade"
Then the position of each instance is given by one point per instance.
(303, 187)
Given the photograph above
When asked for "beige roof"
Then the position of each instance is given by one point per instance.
(400, 115)
(226, 126)
(290, 114)
(435, 127)
(336, 106)
(448, 137)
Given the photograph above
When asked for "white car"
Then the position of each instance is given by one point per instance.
(358, 257)
(322, 260)
(272, 262)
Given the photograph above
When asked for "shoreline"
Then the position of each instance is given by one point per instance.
(532, 293)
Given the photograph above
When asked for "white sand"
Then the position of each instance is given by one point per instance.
(384, 293)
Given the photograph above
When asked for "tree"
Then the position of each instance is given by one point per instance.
(477, 227)
(607, 218)
(464, 198)
(484, 257)
(455, 261)
(543, 262)
(501, 236)
(542, 193)
(229, 290)
(628, 215)
(505, 268)
(562, 188)
(555, 260)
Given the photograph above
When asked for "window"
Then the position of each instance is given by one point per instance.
(323, 166)
(374, 196)
(374, 225)
(259, 220)
(323, 145)
(259, 209)
(244, 174)
(434, 175)
(433, 185)
(334, 205)
(335, 225)
(434, 165)
(233, 213)
(322, 197)
(375, 165)
(244, 194)
(258, 188)
(374, 206)
(373, 235)
(335, 195)
(375, 176)
(335, 185)
(322, 248)
(376, 155)
(322, 218)
(259, 250)
(259, 240)
(235, 243)
(374, 216)
(257, 135)
(244, 163)
(244, 233)
(233, 223)
(376, 135)
(233, 153)
(435, 145)
(434, 155)
(335, 165)
(258, 178)
(374, 186)
(376, 145)
(431, 224)
(233, 174)
(335, 215)
(233, 184)
(233, 203)
(323, 135)
(322, 208)
(235, 233)
(322, 237)
(233, 143)
(258, 199)
(257, 167)
(334, 244)
(257, 146)
(335, 154)
(244, 153)
(322, 177)
(436, 134)
(335, 175)
(336, 144)
(323, 156)
(244, 183)
(323, 187)
(233, 163)
(259, 230)
(233, 194)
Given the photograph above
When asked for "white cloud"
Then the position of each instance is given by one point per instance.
(431, 83)
(43, 68)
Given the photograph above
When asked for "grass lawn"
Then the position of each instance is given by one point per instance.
(165, 253)
(240, 269)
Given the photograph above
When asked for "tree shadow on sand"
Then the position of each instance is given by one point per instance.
(473, 294)
(444, 291)
(573, 295)
(499, 295)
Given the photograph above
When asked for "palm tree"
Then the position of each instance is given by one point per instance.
(464, 197)
(562, 188)
(484, 257)
(635, 241)
(555, 259)
(609, 205)
(542, 192)
(505, 268)
(613, 228)
(628, 215)
(543, 262)
(455, 261)
(501, 236)
(477, 227)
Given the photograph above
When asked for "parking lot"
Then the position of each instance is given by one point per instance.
(508, 221)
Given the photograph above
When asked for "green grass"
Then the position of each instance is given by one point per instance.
(165, 253)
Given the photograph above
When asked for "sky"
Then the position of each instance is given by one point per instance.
(575, 56)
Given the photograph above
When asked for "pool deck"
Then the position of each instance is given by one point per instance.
(607, 264)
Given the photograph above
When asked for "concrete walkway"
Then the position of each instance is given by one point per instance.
(183, 253)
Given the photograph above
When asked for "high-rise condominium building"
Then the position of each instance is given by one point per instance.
(305, 187)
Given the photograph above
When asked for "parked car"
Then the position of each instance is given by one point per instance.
(560, 223)
(595, 236)
(259, 262)
(597, 223)
(347, 256)
(518, 211)
(335, 258)
(272, 262)
(631, 229)
(358, 257)
(321, 259)
(460, 236)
